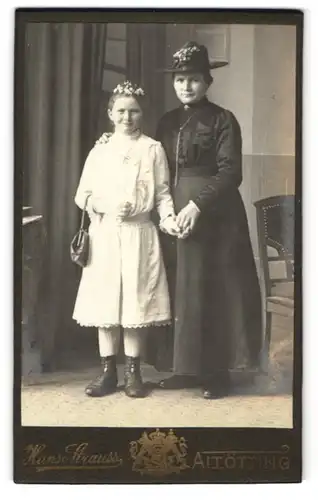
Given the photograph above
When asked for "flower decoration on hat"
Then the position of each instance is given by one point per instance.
(128, 88)
(185, 54)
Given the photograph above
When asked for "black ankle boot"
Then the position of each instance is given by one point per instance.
(106, 382)
(134, 387)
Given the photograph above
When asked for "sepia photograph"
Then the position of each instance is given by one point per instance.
(157, 169)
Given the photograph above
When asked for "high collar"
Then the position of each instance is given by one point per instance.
(187, 112)
(195, 105)
(119, 136)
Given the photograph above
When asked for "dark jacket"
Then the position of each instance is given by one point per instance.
(212, 138)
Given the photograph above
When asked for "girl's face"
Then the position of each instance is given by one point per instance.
(126, 115)
(190, 87)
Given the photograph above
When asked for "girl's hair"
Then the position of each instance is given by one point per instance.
(206, 76)
(113, 98)
(127, 89)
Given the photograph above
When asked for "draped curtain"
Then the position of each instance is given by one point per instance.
(152, 62)
(146, 57)
(62, 91)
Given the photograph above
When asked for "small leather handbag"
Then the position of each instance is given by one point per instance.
(79, 249)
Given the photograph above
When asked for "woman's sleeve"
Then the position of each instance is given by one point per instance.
(163, 198)
(85, 187)
(228, 159)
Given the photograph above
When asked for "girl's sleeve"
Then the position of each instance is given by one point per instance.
(163, 198)
(85, 187)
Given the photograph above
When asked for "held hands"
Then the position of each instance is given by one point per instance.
(183, 224)
(187, 218)
(169, 226)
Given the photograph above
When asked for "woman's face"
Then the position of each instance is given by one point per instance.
(190, 87)
(126, 115)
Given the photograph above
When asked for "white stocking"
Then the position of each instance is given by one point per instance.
(133, 339)
(109, 339)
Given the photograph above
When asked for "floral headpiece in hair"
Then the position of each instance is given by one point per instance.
(128, 89)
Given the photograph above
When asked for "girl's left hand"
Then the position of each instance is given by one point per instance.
(187, 218)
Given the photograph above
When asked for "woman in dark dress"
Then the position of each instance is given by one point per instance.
(213, 280)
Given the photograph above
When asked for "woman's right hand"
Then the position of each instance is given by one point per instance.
(104, 138)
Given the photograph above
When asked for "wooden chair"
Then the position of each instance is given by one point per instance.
(275, 226)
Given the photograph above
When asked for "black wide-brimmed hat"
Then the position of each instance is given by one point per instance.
(193, 58)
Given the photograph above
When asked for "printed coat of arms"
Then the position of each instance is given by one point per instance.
(159, 453)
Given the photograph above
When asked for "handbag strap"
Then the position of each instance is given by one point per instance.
(83, 213)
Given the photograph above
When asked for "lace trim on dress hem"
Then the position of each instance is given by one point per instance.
(107, 325)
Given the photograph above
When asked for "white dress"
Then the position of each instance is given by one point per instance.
(124, 282)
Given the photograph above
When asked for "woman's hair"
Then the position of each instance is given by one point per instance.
(206, 76)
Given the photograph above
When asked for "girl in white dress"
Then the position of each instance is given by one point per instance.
(124, 283)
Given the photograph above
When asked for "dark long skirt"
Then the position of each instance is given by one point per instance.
(214, 291)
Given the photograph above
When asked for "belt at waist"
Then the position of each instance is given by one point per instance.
(141, 218)
(197, 171)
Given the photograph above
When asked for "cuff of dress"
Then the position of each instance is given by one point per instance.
(90, 206)
(191, 202)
